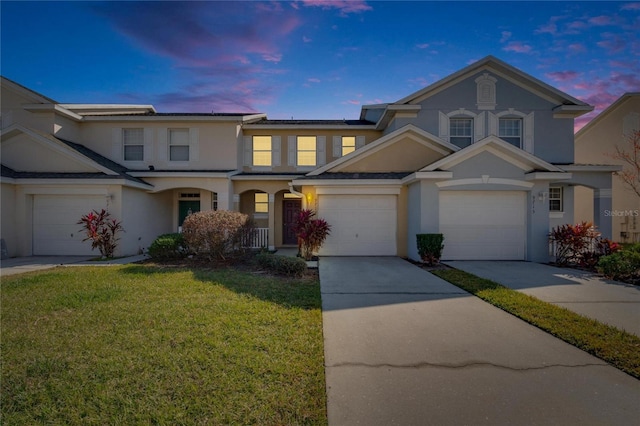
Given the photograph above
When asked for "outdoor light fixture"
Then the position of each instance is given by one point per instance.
(309, 197)
(542, 195)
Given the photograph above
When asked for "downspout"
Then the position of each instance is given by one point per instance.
(299, 194)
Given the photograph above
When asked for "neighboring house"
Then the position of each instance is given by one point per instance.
(596, 143)
(484, 156)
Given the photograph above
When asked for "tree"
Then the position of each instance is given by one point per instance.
(630, 155)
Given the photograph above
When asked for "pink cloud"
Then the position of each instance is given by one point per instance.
(313, 80)
(612, 42)
(577, 48)
(422, 46)
(344, 6)
(562, 75)
(506, 35)
(630, 6)
(601, 20)
(518, 47)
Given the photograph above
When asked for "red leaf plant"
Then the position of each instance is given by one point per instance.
(311, 233)
(102, 231)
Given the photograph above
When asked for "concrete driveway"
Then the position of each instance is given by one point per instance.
(583, 292)
(405, 347)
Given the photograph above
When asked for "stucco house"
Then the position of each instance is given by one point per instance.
(484, 156)
(596, 143)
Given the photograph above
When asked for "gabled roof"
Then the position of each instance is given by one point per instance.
(615, 105)
(104, 168)
(25, 91)
(498, 147)
(419, 135)
(507, 71)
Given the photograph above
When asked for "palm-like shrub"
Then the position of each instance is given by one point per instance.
(311, 233)
(102, 231)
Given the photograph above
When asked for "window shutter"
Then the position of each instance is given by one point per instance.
(116, 144)
(321, 150)
(194, 136)
(275, 150)
(493, 124)
(337, 146)
(293, 150)
(148, 145)
(527, 142)
(162, 144)
(359, 142)
(478, 125)
(443, 130)
(248, 151)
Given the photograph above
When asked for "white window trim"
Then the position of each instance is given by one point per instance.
(561, 198)
(527, 143)
(142, 144)
(478, 124)
(488, 102)
(276, 142)
(321, 154)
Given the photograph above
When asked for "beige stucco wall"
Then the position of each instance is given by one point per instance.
(217, 143)
(8, 219)
(23, 153)
(144, 217)
(13, 112)
(403, 155)
(594, 146)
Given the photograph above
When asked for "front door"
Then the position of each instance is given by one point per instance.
(185, 208)
(290, 209)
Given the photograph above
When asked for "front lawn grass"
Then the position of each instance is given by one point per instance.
(617, 347)
(151, 345)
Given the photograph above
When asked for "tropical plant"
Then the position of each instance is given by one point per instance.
(580, 245)
(102, 231)
(311, 233)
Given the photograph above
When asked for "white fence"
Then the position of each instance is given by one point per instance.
(259, 239)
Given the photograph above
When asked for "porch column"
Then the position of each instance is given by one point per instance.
(272, 222)
(602, 207)
(236, 202)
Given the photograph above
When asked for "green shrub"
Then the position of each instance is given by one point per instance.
(622, 265)
(430, 247)
(217, 235)
(167, 246)
(282, 265)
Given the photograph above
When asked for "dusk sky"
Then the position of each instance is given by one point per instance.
(309, 58)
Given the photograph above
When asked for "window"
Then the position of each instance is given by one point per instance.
(262, 150)
(214, 201)
(133, 141)
(510, 129)
(306, 146)
(461, 131)
(555, 199)
(348, 144)
(179, 145)
(261, 202)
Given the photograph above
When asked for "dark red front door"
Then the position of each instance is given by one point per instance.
(291, 208)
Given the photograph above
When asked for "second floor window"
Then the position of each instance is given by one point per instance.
(306, 151)
(461, 131)
(179, 145)
(262, 150)
(348, 144)
(510, 130)
(133, 142)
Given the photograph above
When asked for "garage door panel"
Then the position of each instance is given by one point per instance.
(483, 225)
(55, 228)
(361, 225)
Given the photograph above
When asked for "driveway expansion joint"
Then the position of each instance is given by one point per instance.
(421, 365)
(395, 292)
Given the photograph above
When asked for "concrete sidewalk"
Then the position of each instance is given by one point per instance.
(405, 347)
(583, 292)
(20, 265)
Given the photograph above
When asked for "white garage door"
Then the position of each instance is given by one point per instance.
(55, 228)
(483, 225)
(361, 225)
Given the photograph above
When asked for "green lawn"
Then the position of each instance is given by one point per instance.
(619, 348)
(150, 345)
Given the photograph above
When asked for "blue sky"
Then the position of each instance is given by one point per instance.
(309, 58)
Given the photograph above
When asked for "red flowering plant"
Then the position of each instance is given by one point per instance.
(102, 231)
(580, 245)
(311, 233)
